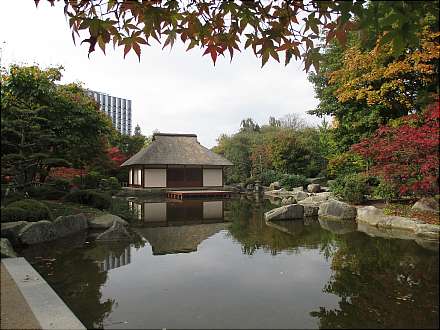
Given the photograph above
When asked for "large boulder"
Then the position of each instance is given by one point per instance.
(427, 204)
(116, 232)
(370, 214)
(334, 209)
(288, 200)
(105, 221)
(427, 230)
(274, 186)
(37, 232)
(6, 249)
(293, 211)
(316, 199)
(301, 195)
(10, 231)
(70, 224)
(310, 210)
(314, 188)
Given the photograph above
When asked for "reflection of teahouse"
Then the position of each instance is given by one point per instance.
(179, 239)
(176, 161)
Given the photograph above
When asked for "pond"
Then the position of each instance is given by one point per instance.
(217, 264)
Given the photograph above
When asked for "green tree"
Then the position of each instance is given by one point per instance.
(137, 130)
(131, 144)
(47, 125)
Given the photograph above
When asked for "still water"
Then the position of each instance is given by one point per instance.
(217, 264)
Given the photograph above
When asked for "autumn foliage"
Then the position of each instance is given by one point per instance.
(116, 156)
(405, 152)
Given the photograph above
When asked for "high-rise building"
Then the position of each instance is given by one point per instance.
(118, 109)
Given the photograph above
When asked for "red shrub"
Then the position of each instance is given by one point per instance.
(406, 154)
(67, 173)
(116, 156)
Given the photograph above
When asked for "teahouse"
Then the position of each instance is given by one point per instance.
(176, 161)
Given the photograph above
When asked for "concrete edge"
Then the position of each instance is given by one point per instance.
(49, 310)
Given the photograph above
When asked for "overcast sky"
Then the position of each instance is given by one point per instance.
(171, 91)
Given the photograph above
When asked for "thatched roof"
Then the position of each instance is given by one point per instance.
(176, 149)
(179, 239)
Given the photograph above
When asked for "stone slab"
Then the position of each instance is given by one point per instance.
(49, 310)
(15, 312)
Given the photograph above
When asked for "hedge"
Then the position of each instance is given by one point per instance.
(10, 214)
(35, 210)
(89, 197)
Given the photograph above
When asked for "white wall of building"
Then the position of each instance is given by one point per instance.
(155, 178)
(212, 177)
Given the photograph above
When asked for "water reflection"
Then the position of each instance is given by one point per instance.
(174, 213)
(286, 274)
(113, 259)
(74, 269)
(381, 284)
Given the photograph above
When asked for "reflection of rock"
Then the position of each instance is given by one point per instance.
(6, 249)
(428, 244)
(338, 226)
(178, 239)
(293, 211)
(294, 228)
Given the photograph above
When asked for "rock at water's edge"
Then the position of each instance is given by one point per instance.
(71, 224)
(37, 232)
(116, 232)
(6, 249)
(105, 221)
(293, 211)
(10, 230)
(334, 209)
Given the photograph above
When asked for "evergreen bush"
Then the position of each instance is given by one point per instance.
(35, 210)
(10, 214)
(46, 192)
(351, 188)
(290, 181)
(89, 197)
